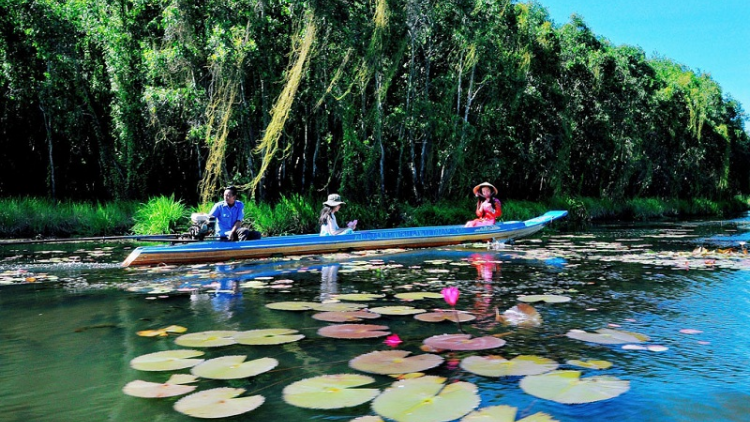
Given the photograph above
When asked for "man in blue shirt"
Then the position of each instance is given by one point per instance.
(229, 214)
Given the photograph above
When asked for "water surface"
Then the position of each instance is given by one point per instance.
(70, 317)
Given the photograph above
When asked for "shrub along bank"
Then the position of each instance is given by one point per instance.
(31, 217)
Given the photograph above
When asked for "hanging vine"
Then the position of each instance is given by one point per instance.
(269, 145)
(226, 79)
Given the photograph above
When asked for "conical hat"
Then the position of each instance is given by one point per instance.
(479, 186)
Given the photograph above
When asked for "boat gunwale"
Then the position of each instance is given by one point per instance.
(429, 236)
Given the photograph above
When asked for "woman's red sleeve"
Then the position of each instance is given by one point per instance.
(498, 209)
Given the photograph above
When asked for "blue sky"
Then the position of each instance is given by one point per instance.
(707, 36)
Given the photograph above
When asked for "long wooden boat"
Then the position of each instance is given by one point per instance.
(415, 237)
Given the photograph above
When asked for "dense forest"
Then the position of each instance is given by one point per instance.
(412, 100)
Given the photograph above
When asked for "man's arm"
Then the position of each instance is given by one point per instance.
(215, 210)
(235, 227)
(240, 216)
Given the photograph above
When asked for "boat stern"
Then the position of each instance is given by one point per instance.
(133, 257)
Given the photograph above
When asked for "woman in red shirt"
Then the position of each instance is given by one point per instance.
(488, 207)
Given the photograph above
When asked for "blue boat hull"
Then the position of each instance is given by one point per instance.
(415, 237)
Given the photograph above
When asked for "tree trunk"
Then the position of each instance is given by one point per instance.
(304, 146)
(427, 143)
(48, 128)
(456, 158)
(379, 130)
(409, 117)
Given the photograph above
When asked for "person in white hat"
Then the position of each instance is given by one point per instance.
(489, 208)
(328, 224)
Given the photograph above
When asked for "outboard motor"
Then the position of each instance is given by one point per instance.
(203, 225)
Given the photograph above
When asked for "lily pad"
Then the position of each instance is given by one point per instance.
(292, 306)
(351, 316)
(591, 364)
(363, 297)
(607, 336)
(503, 413)
(354, 331)
(173, 387)
(397, 310)
(340, 307)
(463, 342)
(168, 360)
(368, 418)
(162, 332)
(218, 403)
(233, 367)
(394, 362)
(426, 399)
(330, 391)
(497, 366)
(544, 298)
(207, 339)
(445, 316)
(522, 315)
(268, 336)
(418, 295)
(568, 387)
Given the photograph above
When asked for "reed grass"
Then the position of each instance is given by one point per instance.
(30, 217)
(296, 214)
(161, 215)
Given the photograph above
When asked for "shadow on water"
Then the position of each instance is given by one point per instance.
(69, 335)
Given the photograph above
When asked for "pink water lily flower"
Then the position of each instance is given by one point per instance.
(450, 294)
(393, 340)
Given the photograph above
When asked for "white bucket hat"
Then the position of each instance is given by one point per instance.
(333, 200)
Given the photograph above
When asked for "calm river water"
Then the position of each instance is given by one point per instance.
(69, 317)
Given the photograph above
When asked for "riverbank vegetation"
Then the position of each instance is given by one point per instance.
(387, 102)
(32, 217)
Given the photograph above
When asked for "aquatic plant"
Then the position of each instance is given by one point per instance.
(607, 336)
(450, 294)
(497, 366)
(175, 386)
(160, 215)
(568, 387)
(218, 403)
(504, 413)
(268, 336)
(426, 399)
(233, 367)
(386, 362)
(330, 391)
(354, 331)
(393, 340)
(168, 360)
(463, 342)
